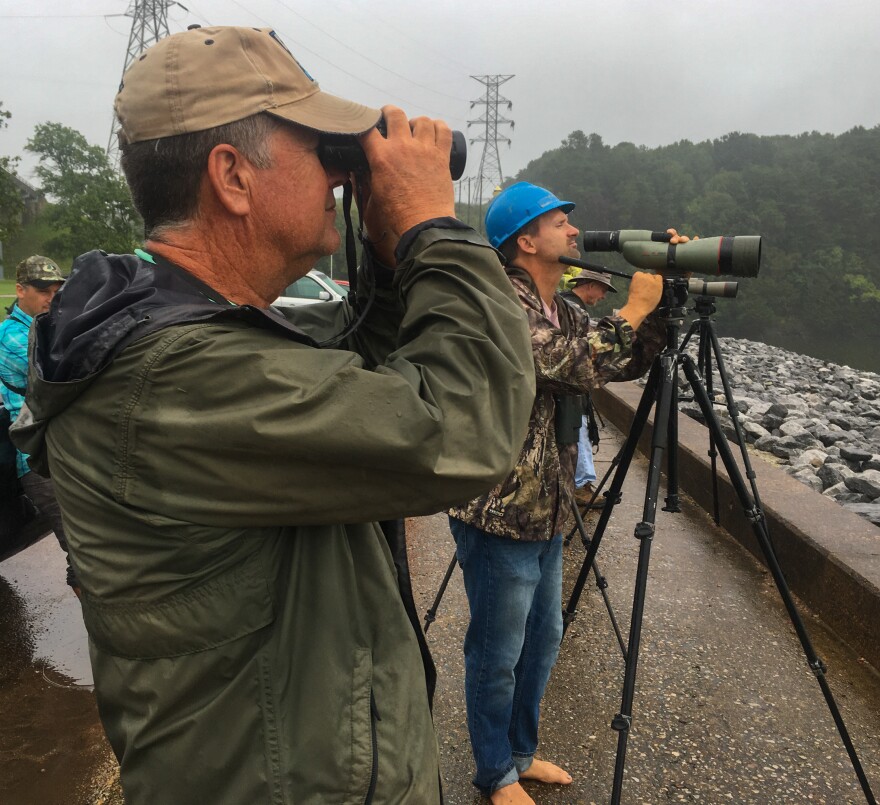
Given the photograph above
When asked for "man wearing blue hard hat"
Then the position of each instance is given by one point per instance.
(509, 541)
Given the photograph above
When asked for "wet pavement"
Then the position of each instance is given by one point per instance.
(725, 711)
(52, 747)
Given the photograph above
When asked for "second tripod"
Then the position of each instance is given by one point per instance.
(661, 393)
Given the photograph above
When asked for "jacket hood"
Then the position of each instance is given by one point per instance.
(107, 299)
(108, 302)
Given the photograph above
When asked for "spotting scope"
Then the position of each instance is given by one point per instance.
(734, 255)
(698, 287)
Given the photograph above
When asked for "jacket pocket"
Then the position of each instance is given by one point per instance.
(363, 720)
(228, 607)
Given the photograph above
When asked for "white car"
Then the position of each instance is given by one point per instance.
(315, 286)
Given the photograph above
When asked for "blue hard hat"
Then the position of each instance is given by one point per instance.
(520, 203)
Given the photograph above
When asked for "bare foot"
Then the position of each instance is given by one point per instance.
(546, 772)
(513, 794)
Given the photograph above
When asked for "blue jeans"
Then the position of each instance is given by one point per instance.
(585, 472)
(514, 590)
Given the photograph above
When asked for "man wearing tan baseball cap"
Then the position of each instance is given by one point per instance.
(232, 487)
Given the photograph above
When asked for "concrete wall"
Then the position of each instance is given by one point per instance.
(830, 556)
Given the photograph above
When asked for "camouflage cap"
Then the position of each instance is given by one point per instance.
(38, 270)
(592, 276)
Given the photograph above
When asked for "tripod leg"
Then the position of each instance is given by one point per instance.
(431, 614)
(706, 368)
(601, 581)
(644, 532)
(672, 497)
(626, 454)
(592, 504)
(759, 525)
(734, 413)
(673, 500)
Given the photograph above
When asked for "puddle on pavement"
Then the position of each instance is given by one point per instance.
(52, 746)
(49, 618)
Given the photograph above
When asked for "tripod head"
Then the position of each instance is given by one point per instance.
(675, 295)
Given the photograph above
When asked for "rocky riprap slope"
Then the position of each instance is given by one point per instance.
(819, 420)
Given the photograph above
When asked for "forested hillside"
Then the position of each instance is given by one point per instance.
(814, 197)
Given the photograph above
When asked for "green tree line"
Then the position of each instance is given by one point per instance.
(815, 199)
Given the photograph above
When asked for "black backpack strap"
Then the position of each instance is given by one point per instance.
(16, 389)
(592, 427)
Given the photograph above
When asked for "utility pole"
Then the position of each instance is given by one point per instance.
(149, 24)
(490, 175)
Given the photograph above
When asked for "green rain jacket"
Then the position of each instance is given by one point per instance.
(222, 479)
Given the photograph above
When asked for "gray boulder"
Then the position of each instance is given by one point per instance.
(832, 474)
(865, 483)
(808, 477)
(853, 453)
(813, 458)
(753, 431)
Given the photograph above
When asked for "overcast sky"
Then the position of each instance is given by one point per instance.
(642, 71)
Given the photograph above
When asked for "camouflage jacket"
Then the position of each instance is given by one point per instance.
(535, 501)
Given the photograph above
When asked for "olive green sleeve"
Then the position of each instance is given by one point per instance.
(226, 424)
(368, 327)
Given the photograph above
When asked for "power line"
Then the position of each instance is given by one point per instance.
(408, 104)
(350, 49)
(407, 37)
(52, 16)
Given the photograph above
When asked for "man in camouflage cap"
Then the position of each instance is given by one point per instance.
(591, 286)
(37, 280)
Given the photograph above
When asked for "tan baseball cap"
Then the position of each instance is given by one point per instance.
(207, 77)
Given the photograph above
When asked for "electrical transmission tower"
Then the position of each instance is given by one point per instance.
(490, 175)
(149, 24)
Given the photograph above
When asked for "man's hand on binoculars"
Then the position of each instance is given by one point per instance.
(645, 292)
(409, 175)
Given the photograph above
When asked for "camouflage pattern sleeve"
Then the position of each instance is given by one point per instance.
(649, 342)
(588, 356)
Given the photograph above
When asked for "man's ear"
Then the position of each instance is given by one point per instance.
(230, 175)
(526, 244)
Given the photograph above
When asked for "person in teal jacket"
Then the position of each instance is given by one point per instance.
(231, 487)
(37, 280)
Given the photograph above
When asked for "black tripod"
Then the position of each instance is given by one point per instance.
(661, 391)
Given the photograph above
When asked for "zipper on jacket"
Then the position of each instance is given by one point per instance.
(374, 772)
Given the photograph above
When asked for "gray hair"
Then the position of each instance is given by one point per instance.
(164, 175)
